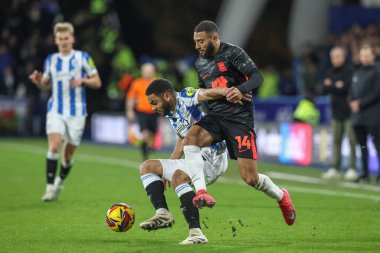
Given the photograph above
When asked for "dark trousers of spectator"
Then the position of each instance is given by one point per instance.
(340, 127)
(361, 133)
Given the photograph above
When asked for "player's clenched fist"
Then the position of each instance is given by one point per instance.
(234, 95)
(36, 77)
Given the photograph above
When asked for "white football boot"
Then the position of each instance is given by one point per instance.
(162, 219)
(58, 186)
(351, 175)
(331, 174)
(49, 193)
(195, 237)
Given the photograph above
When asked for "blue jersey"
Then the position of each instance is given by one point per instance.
(189, 110)
(60, 69)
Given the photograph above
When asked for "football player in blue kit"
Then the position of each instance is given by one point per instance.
(182, 109)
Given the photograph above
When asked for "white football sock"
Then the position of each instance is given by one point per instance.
(182, 189)
(194, 166)
(52, 156)
(69, 164)
(149, 178)
(162, 211)
(195, 232)
(266, 185)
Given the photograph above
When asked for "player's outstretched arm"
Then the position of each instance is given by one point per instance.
(212, 94)
(92, 81)
(39, 80)
(178, 149)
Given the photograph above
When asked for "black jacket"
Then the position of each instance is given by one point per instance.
(341, 81)
(366, 87)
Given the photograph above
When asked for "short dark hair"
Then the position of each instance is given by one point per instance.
(206, 26)
(159, 86)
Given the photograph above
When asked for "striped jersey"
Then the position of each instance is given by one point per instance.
(189, 110)
(66, 100)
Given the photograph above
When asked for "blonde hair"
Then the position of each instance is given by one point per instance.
(64, 27)
(366, 46)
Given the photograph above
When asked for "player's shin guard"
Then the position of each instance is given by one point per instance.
(194, 166)
(51, 166)
(266, 185)
(155, 190)
(65, 169)
(191, 213)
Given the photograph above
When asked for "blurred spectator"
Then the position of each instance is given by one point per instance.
(138, 107)
(269, 88)
(190, 79)
(310, 74)
(364, 97)
(6, 71)
(337, 83)
(306, 111)
(287, 83)
(124, 84)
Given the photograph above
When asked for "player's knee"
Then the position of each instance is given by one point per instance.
(190, 140)
(54, 148)
(251, 180)
(146, 167)
(179, 177)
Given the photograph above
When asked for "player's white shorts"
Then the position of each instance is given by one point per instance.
(71, 128)
(211, 170)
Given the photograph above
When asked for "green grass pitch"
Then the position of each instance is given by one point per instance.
(331, 217)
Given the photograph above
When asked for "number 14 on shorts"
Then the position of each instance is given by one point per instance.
(244, 143)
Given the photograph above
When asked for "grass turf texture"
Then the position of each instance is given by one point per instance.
(243, 220)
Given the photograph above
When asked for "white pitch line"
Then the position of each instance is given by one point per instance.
(289, 177)
(79, 156)
(310, 190)
(313, 180)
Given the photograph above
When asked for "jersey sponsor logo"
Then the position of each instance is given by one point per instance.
(220, 82)
(182, 127)
(190, 92)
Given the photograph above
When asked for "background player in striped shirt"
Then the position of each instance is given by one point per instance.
(182, 110)
(67, 73)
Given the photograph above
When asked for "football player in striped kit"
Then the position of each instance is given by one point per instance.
(67, 73)
(182, 109)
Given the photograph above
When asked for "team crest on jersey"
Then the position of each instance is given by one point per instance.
(190, 92)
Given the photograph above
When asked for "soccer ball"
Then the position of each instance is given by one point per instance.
(120, 217)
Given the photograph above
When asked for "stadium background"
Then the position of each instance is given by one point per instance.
(288, 40)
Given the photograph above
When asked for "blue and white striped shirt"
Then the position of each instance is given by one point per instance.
(60, 69)
(189, 110)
